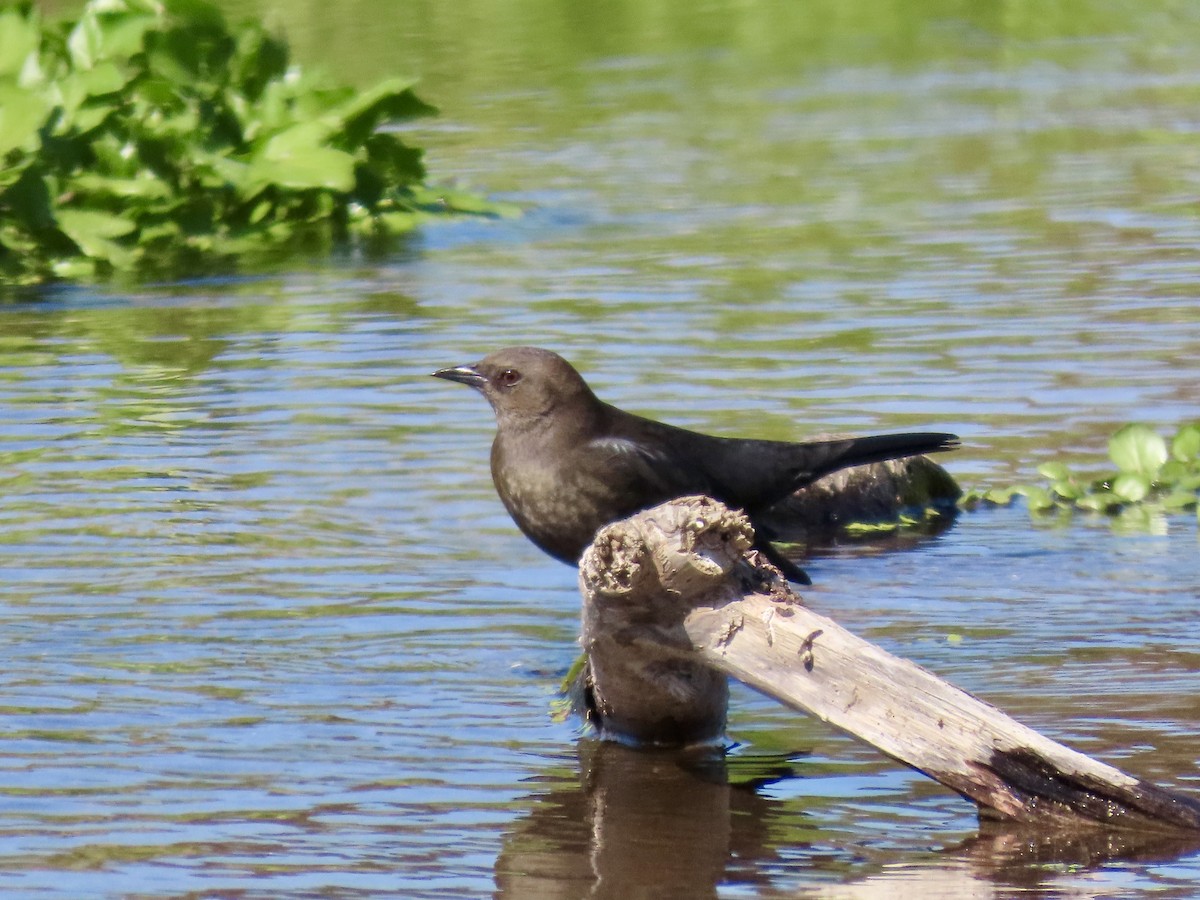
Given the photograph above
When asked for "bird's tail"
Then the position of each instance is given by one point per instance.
(842, 454)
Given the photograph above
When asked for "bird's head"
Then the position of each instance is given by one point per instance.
(525, 384)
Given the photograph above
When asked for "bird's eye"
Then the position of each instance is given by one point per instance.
(509, 377)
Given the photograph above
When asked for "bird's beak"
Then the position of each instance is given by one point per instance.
(463, 375)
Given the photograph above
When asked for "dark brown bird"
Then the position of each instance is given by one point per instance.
(566, 464)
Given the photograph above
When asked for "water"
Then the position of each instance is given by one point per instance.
(268, 632)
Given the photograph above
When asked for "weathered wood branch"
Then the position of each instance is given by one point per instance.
(675, 600)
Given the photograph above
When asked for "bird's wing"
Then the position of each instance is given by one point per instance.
(625, 448)
(647, 470)
(760, 473)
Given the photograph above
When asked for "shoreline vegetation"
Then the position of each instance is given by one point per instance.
(153, 138)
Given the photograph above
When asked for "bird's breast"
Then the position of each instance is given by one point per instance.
(561, 498)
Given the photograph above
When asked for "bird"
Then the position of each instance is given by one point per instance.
(565, 463)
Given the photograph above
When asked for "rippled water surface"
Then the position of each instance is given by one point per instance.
(267, 631)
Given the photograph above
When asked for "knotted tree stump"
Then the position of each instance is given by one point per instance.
(675, 601)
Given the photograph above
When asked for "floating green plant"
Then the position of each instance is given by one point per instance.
(152, 135)
(1151, 474)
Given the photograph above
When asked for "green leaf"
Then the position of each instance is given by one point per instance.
(105, 77)
(1000, 496)
(389, 102)
(1068, 490)
(194, 50)
(78, 267)
(28, 201)
(1138, 449)
(22, 113)
(864, 528)
(1054, 471)
(142, 188)
(1037, 499)
(78, 91)
(1185, 446)
(19, 39)
(164, 231)
(1099, 502)
(296, 158)
(197, 14)
(260, 60)
(1179, 499)
(94, 222)
(93, 232)
(399, 222)
(396, 164)
(123, 29)
(1173, 472)
(462, 202)
(84, 41)
(1131, 486)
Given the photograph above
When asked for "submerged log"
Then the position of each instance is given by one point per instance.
(915, 488)
(675, 600)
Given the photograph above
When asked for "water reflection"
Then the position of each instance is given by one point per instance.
(265, 617)
(268, 631)
(640, 824)
(693, 824)
(263, 610)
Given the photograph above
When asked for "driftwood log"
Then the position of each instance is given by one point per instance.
(675, 601)
(881, 493)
